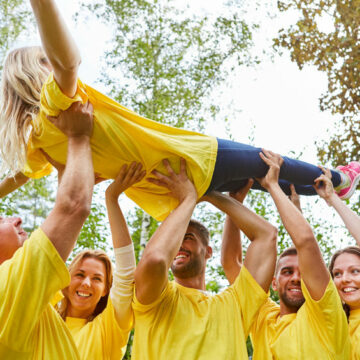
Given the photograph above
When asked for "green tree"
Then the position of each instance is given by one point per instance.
(15, 18)
(32, 203)
(326, 35)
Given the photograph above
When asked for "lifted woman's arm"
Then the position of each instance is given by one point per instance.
(59, 45)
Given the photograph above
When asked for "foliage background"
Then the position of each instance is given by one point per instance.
(175, 66)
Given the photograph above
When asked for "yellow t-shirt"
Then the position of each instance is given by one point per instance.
(186, 323)
(354, 331)
(122, 136)
(102, 338)
(30, 328)
(317, 331)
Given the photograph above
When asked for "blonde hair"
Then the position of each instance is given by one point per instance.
(23, 75)
(100, 255)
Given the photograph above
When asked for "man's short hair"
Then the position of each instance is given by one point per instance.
(202, 231)
(287, 252)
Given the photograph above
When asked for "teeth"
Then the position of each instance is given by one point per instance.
(295, 290)
(83, 294)
(349, 289)
(180, 257)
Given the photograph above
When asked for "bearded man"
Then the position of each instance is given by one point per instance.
(177, 320)
(309, 322)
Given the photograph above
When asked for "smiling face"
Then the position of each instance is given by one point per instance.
(346, 274)
(288, 284)
(190, 260)
(87, 286)
(12, 236)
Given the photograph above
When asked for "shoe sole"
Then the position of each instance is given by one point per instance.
(352, 189)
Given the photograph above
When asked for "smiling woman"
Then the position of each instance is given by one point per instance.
(345, 270)
(88, 292)
(88, 310)
(96, 306)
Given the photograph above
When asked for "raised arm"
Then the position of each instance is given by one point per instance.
(231, 246)
(127, 177)
(59, 45)
(73, 200)
(123, 286)
(325, 189)
(260, 257)
(312, 267)
(10, 184)
(151, 275)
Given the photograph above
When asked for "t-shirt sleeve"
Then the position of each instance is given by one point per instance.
(141, 308)
(28, 282)
(36, 165)
(258, 325)
(53, 100)
(250, 297)
(328, 317)
(113, 334)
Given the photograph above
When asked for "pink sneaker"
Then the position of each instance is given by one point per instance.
(352, 170)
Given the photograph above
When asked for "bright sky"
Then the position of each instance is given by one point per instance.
(274, 101)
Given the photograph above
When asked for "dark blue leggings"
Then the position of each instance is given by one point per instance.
(235, 163)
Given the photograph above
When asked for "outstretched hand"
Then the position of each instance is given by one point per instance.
(274, 161)
(179, 185)
(127, 177)
(323, 184)
(76, 121)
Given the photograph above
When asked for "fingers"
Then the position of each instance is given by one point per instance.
(169, 168)
(129, 175)
(320, 178)
(89, 107)
(265, 159)
(158, 182)
(271, 158)
(159, 176)
(182, 166)
(136, 174)
(325, 171)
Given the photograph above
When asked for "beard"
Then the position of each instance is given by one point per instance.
(193, 268)
(290, 302)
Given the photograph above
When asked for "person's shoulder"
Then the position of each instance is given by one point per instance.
(330, 298)
(245, 284)
(270, 309)
(167, 293)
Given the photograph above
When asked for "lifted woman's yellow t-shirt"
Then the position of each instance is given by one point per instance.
(120, 137)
